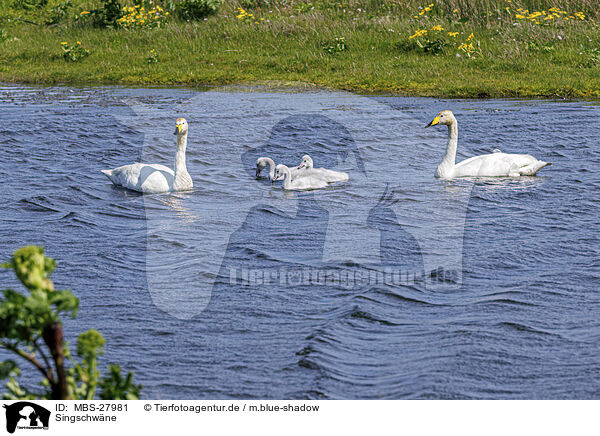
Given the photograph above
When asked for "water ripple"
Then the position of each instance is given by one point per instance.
(520, 321)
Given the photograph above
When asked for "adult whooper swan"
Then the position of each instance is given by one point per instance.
(156, 178)
(306, 182)
(487, 165)
(321, 173)
(262, 162)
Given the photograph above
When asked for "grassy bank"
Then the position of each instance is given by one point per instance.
(495, 48)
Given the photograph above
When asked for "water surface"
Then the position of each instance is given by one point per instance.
(238, 290)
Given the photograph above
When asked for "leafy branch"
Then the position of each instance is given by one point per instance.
(31, 328)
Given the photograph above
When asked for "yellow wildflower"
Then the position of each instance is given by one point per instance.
(438, 28)
(471, 36)
(419, 32)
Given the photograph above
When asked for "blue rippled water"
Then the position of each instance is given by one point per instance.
(393, 285)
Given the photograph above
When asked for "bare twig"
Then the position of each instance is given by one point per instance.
(30, 358)
(46, 361)
(27, 21)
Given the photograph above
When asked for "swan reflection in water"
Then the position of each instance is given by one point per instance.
(176, 202)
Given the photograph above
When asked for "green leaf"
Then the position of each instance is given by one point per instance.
(64, 301)
(90, 343)
(115, 387)
(33, 268)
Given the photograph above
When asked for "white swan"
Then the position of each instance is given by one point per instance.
(262, 162)
(322, 173)
(300, 183)
(496, 164)
(155, 178)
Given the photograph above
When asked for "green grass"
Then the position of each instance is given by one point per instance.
(522, 60)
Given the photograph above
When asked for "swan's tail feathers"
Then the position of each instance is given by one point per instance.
(109, 174)
(532, 169)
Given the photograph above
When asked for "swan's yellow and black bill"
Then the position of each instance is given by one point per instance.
(178, 128)
(435, 121)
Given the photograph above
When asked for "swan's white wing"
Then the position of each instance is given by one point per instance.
(331, 175)
(308, 182)
(493, 165)
(147, 178)
(297, 172)
(159, 167)
(320, 174)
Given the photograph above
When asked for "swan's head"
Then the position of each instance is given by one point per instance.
(261, 163)
(181, 126)
(444, 117)
(280, 172)
(307, 162)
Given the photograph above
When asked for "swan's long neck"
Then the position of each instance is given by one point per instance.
(449, 160)
(271, 168)
(287, 181)
(450, 157)
(180, 167)
(182, 177)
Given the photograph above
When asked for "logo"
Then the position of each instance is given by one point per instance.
(26, 415)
